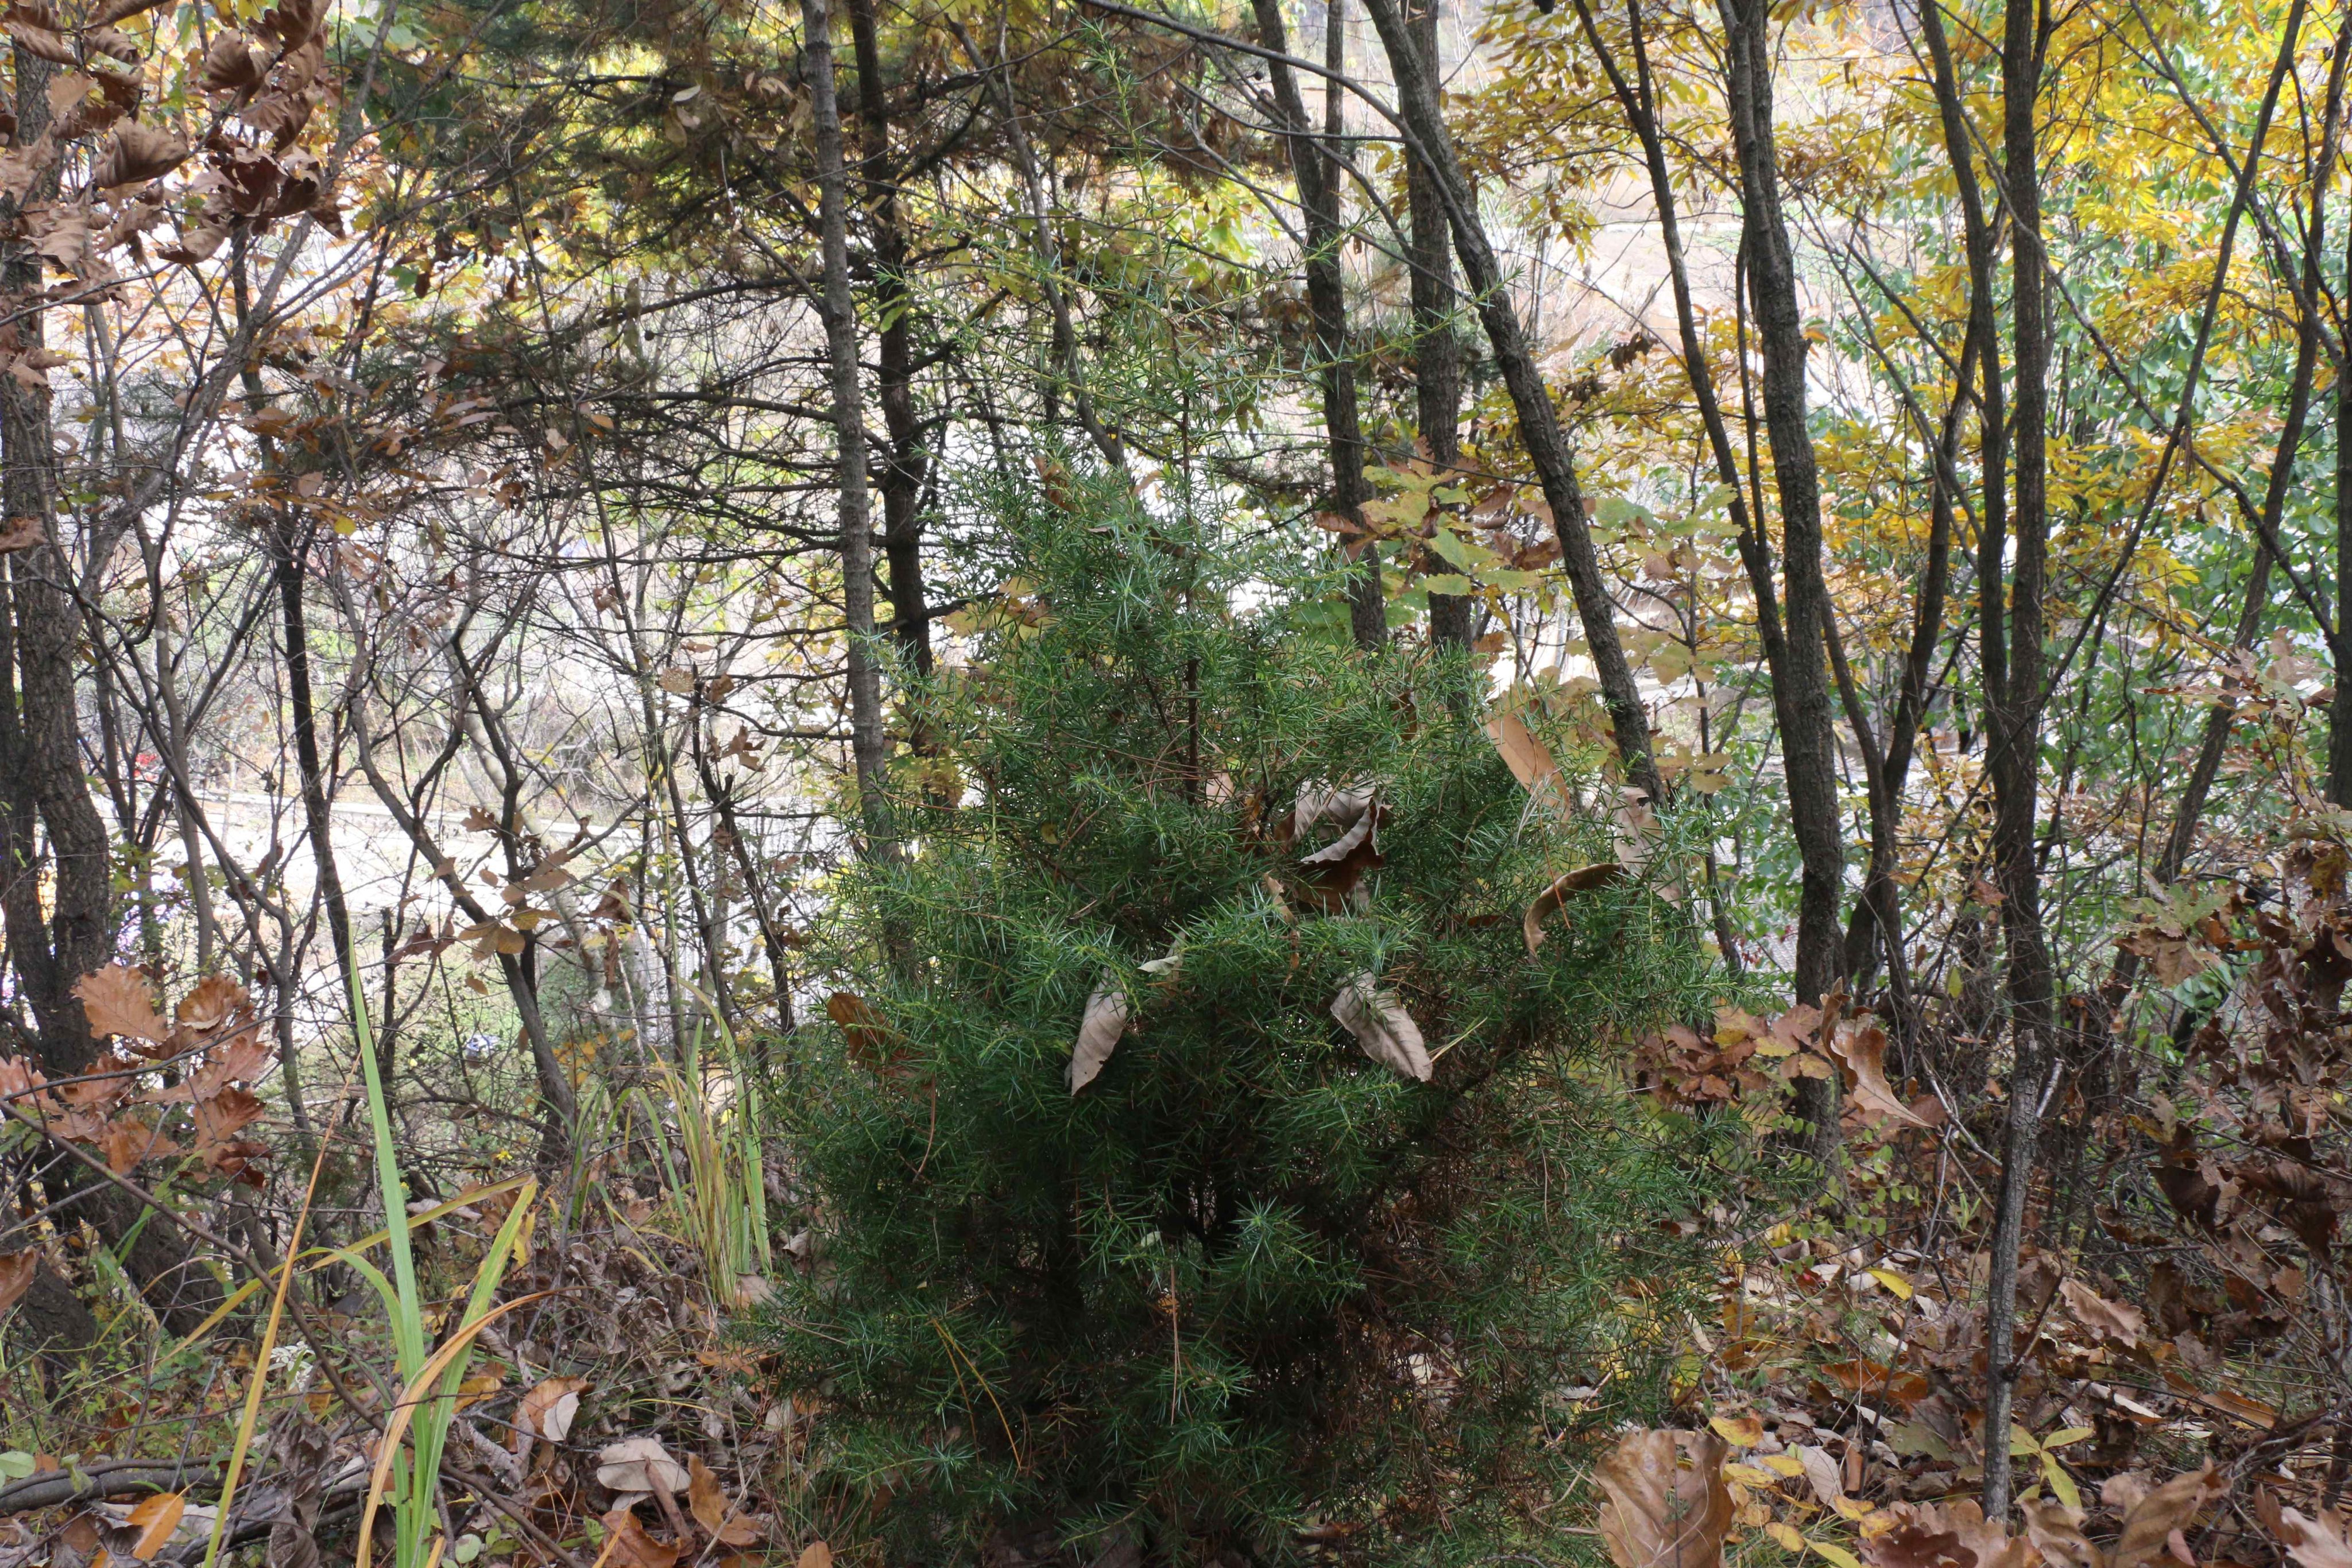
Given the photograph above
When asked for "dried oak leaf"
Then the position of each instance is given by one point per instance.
(210, 1003)
(113, 11)
(1106, 1018)
(2311, 1542)
(138, 152)
(117, 1000)
(2151, 1521)
(234, 63)
(2106, 1319)
(1583, 879)
(1381, 1027)
(113, 43)
(35, 28)
(707, 1502)
(1952, 1535)
(1860, 1049)
(1658, 1514)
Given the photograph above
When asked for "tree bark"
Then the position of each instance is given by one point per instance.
(1539, 430)
(1437, 351)
(1801, 686)
(905, 459)
(868, 744)
(1315, 168)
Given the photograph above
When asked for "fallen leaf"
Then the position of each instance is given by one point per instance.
(1821, 1474)
(2311, 1542)
(1106, 1018)
(1739, 1431)
(639, 1465)
(1952, 1535)
(547, 1411)
(815, 1554)
(2108, 1320)
(1381, 1027)
(2155, 1517)
(156, 1517)
(2057, 1532)
(117, 1000)
(1658, 1514)
(16, 1271)
(629, 1546)
(704, 1498)
(1583, 879)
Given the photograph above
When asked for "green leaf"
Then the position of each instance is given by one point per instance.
(15, 1464)
(1465, 554)
(2061, 1483)
(1448, 582)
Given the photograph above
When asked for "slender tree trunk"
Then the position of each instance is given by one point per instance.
(1801, 685)
(2340, 709)
(1437, 349)
(868, 743)
(1316, 169)
(906, 460)
(2013, 657)
(1540, 432)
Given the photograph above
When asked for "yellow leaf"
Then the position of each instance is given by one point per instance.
(2024, 1442)
(1786, 1537)
(1787, 1463)
(1739, 1431)
(1849, 1508)
(2061, 1483)
(156, 1518)
(1837, 1554)
(1894, 1281)
(2060, 1439)
(1748, 1474)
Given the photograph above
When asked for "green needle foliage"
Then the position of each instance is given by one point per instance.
(1249, 1289)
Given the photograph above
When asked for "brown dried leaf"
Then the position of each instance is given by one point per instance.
(1657, 1514)
(35, 28)
(2169, 1507)
(639, 1465)
(113, 43)
(1860, 1049)
(1381, 1027)
(156, 1517)
(1583, 879)
(704, 1498)
(2108, 1320)
(2057, 1532)
(547, 1411)
(138, 152)
(210, 1003)
(117, 1000)
(1106, 1018)
(815, 1554)
(1954, 1535)
(118, 10)
(630, 1547)
(2311, 1542)
(21, 533)
(1522, 753)
(295, 22)
(16, 1271)
(234, 63)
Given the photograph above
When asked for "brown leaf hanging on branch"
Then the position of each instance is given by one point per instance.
(138, 152)
(1583, 879)
(35, 28)
(1381, 1027)
(1106, 1021)
(118, 1000)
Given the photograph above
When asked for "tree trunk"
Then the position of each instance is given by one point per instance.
(868, 744)
(1316, 169)
(1437, 351)
(1539, 430)
(906, 460)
